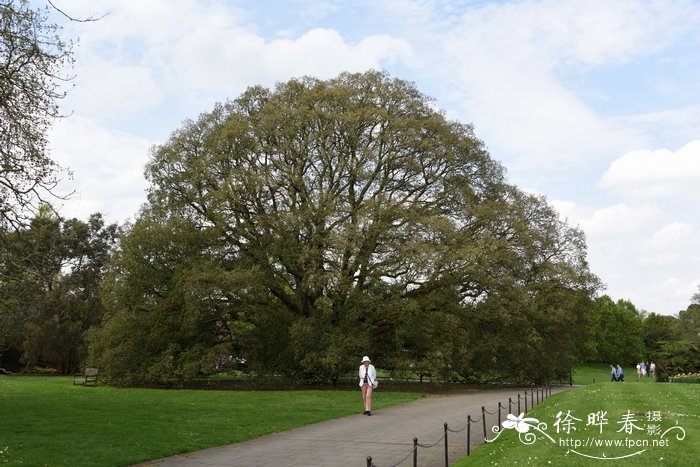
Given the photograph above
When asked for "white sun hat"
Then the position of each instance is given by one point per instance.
(365, 359)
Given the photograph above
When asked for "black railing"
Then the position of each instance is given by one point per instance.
(542, 393)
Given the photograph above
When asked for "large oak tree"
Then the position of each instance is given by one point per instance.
(331, 219)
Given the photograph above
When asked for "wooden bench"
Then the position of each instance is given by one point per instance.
(90, 376)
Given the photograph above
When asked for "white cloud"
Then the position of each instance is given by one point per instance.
(678, 125)
(673, 292)
(674, 236)
(620, 219)
(673, 245)
(155, 22)
(112, 90)
(231, 59)
(659, 294)
(549, 34)
(653, 265)
(201, 52)
(107, 165)
(659, 173)
(504, 61)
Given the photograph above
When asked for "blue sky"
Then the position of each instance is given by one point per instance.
(593, 104)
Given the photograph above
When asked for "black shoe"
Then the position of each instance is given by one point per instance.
(369, 413)
(365, 412)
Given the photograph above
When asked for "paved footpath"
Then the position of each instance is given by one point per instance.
(386, 436)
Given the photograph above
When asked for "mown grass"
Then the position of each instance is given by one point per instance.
(590, 373)
(675, 403)
(48, 421)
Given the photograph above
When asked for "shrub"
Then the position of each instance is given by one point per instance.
(686, 378)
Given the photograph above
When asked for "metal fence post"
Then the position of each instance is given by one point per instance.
(525, 401)
(483, 419)
(519, 412)
(532, 400)
(499, 414)
(469, 434)
(510, 405)
(447, 462)
(538, 395)
(369, 461)
(415, 452)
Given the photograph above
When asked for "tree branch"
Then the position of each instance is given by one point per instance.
(77, 20)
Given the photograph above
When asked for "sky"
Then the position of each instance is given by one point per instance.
(593, 104)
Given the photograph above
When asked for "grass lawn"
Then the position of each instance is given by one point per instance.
(48, 421)
(589, 373)
(656, 408)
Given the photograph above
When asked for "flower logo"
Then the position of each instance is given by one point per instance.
(522, 425)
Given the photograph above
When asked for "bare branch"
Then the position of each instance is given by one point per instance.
(77, 20)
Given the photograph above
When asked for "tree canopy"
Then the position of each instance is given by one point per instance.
(296, 227)
(616, 333)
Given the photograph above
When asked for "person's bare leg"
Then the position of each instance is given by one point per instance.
(368, 398)
(364, 396)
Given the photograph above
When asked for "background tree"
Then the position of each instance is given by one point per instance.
(615, 333)
(672, 342)
(50, 275)
(657, 330)
(33, 65)
(681, 352)
(350, 217)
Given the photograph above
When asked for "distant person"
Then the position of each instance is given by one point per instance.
(643, 367)
(652, 369)
(619, 375)
(368, 381)
(613, 374)
(639, 370)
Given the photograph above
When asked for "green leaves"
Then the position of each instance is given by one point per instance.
(50, 274)
(356, 213)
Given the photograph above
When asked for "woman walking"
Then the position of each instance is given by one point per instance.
(368, 381)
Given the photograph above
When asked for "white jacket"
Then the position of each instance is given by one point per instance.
(371, 374)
